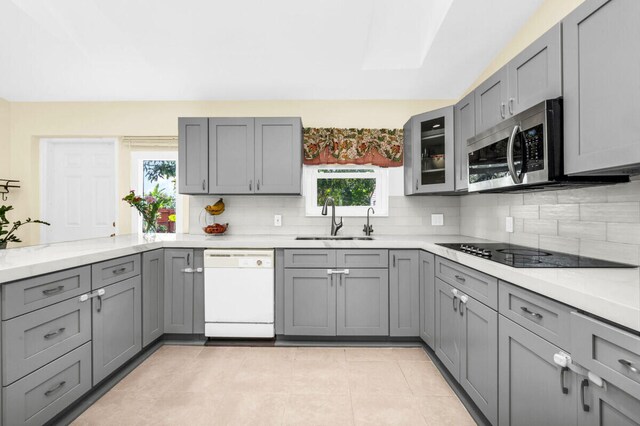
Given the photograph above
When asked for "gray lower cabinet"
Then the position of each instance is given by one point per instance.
(198, 292)
(607, 406)
(152, 296)
(193, 155)
(117, 326)
(465, 122)
(601, 65)
(466, 339)
(40, 396)
(278, 155)
(178, 291)
(231, 156)
(363, 303)
(530, 383)
(404, 293)
(309, 302)
(427, 298)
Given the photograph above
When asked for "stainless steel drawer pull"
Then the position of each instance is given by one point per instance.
(54, 333)
(119, 271)
(533, 314)
(584, 384)
(55, 388)
(459, 278)
(52, 291)
(629, 365)
(455, 305)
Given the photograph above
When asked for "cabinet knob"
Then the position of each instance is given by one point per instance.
(258, 185)
(203, 184)
(251, 185)
(502, 112)
(511, 100)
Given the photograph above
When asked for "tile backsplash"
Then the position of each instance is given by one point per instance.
(254, 215)
(602, 222)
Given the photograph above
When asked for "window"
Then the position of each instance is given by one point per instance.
(354, 189)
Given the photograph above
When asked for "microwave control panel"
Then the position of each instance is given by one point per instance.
(533, 140)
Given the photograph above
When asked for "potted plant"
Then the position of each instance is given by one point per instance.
(7, 233)
(148, 207)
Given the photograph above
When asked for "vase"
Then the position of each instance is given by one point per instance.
(149, 231)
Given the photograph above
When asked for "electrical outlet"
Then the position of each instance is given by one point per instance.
(277, 220)
(509, 224)
(437, 219)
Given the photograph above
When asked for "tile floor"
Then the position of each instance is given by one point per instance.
(187, 385)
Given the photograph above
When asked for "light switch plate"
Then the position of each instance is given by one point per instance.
(277, 220)
(509, 224)
(437, 219)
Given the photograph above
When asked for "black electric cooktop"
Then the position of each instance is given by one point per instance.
(527, 257)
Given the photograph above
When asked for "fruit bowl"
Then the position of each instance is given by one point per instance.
(216, 229)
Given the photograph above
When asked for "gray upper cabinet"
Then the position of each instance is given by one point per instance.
(535, 74)
(152, 295)
(231, 156)
(601, 65)
(479, 356)
(178, 291)
(193, 156)
(427, 298)
(278, 155)
(309, 302)
(447, 334)
(490, 97)
(465, 128)
(363, 303)
(404, 293)
(428, 162)
(530, 383)
(608, 406)
(117, 326)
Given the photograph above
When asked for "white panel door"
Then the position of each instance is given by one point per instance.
(78, 189)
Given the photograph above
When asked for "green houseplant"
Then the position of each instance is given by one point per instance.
(8, 229)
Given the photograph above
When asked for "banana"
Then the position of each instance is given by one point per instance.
(215, 209)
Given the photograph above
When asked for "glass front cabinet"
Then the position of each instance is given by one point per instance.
(429, 153)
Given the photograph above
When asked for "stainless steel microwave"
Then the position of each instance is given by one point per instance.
(524, 153)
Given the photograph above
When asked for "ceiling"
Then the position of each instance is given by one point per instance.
(99, 50)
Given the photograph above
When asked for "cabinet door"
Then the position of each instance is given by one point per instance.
(178, 291)
(432, 152)
(404, 293)
(427, 298)
(491, 107)
(309, 302)
(608, 406)
(193, 155)
(601, 69)
(447, 328)
(409, 179)
(363, 303)
(198, 292)
(117, 327)
(530, 382)
(231, 156)
(465, 122)
(536, 73)
(152, 295)
(278, 151)
(479, 356)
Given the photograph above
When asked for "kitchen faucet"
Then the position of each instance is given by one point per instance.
(368, 229)
(334, 226)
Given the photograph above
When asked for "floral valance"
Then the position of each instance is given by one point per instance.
(381, 147)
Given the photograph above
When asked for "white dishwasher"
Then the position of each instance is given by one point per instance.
(238, 293)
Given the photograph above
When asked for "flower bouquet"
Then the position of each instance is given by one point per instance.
(148, 207)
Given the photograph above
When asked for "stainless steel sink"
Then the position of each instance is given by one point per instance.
(334, 238)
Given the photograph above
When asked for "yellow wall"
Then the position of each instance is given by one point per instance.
(5, 146)
(31, 121)
(547, 15)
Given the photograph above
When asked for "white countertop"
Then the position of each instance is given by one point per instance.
(613, 294)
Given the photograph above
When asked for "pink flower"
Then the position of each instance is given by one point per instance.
(149, 199)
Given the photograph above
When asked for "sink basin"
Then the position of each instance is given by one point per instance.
(334, 238)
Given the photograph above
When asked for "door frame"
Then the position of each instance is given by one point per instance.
(44, 146)
(136, 183)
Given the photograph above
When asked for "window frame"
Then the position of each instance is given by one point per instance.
(310, 189)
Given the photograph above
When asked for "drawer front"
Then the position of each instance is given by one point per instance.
(35, 339)
(310, 258)
(608, 351)
(546, 318)
(28, 295)
(40, 396)
(481, 287)
(362, 258)
(112, 271)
